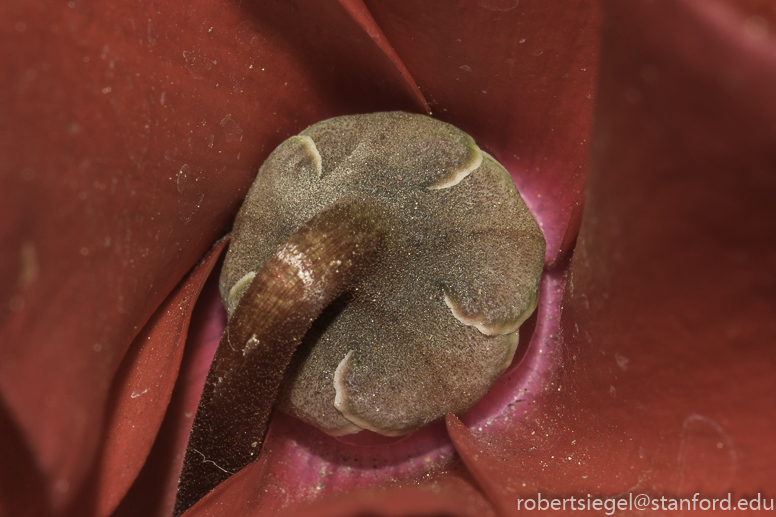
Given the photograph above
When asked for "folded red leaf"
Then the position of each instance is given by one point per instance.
(141, 392)
(489, 473)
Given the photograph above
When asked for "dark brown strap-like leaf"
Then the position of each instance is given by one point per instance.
(304, 275)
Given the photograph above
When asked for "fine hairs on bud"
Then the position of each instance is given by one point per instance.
(433, 326)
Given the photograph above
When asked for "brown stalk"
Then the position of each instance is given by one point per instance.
(320, 261)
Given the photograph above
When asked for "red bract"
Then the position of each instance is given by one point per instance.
(130, 132)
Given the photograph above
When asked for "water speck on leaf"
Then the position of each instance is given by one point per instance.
(232, 129)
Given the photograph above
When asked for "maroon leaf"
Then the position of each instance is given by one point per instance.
(129, 135)
(671, 308)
